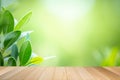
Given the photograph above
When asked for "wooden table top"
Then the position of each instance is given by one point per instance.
(59, 73)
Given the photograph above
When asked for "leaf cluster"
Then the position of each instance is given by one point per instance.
(15, 46)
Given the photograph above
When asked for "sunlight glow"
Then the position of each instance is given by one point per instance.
(69, 10)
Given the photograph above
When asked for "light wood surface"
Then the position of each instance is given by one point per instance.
(59, 73)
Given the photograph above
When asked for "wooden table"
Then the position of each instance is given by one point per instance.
(59, 73)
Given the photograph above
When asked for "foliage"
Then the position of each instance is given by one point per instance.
(108, 57)
(12, 51)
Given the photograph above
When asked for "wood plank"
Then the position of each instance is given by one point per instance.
(72, 74)
(10, 71)
(5, 70)
(37, 72)
(20, 74)
(59, 73)
(96, 74)
(115, 70)
(84, 74)
(108, 73)
(1, 68)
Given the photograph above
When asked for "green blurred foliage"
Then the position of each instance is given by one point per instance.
(74, 31)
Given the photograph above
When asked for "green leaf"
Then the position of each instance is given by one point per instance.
(25, 53)
(14, 51)
(1, 60)
(8, 22)
(11, 61)
(36, 60)
(22, 21)
(10, 38)
(111, 59)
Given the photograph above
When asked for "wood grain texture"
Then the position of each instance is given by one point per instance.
(59, 73)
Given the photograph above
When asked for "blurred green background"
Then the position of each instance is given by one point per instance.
(77, 32)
